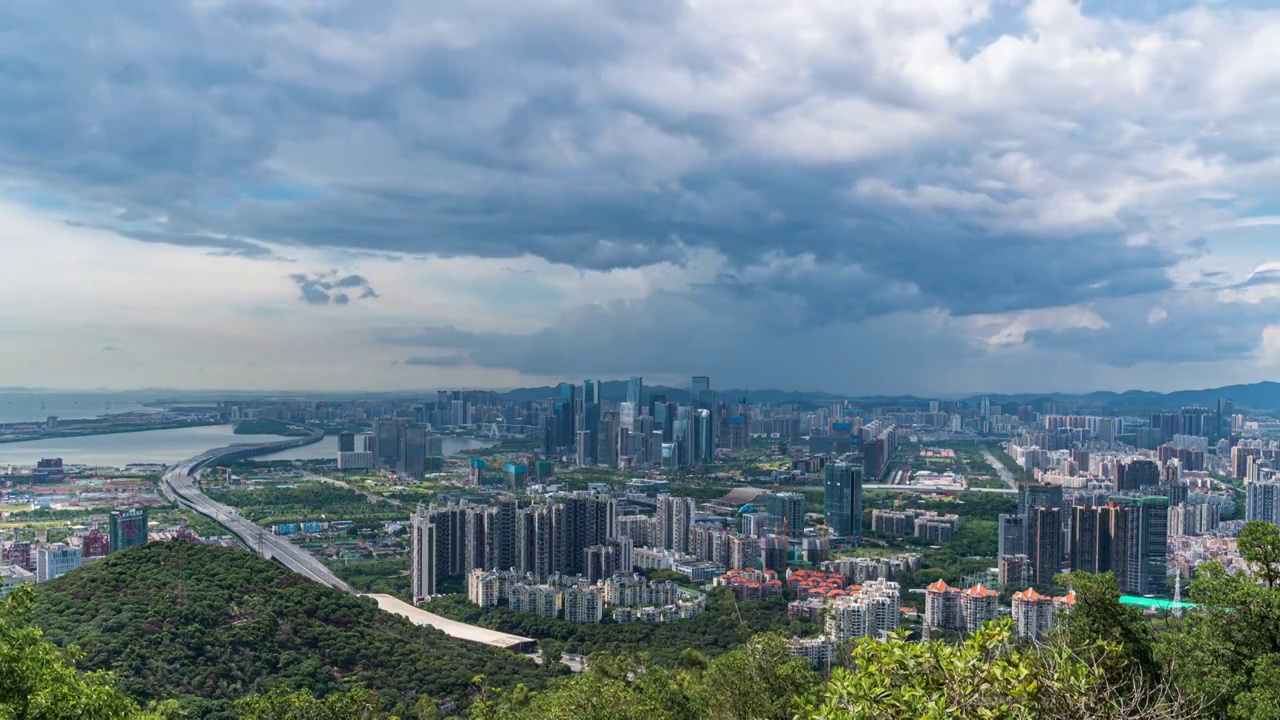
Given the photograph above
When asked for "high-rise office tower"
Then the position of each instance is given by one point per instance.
(635, 391)
(1012, 535)
(787, 507)
(606, 441)
(1262, 501)
(413, 450)
(346, 442)
(1032, 496)
(664, 420)
(842, 500)
(566, 413)
(703, 438)
(590, 422)
(127, 528)
(701, 387)
(1139, 544)
(1136, 474)
(627, 413)
(1046, 549)
(386, 443)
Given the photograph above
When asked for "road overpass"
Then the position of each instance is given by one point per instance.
(179, 485)
(922, 489)
(938, 490)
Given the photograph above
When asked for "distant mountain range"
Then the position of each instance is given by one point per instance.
(1255, 396)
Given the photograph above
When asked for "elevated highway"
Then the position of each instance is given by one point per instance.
(179, 485)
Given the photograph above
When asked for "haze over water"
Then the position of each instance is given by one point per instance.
(171, 446)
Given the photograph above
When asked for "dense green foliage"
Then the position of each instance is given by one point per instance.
(209, 625)
(988, 676)
(1230, 651)
(184, 621)
(758, 681)
(307, 501)
(268, 427)
(389, 576)
(726, 624)
(39, 681)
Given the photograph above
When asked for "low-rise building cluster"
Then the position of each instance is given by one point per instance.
(862, 569)
(1186, 552)
(870, 610)
(751, 584)
(578, 599)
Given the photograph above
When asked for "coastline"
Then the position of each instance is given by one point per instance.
(118, 430)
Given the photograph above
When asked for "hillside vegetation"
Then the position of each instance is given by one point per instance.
(209, 625)
(306, 656)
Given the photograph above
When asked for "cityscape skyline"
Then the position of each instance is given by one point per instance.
(390, 196)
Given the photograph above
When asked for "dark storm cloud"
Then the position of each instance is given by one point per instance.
(440, 361)
(326, 288)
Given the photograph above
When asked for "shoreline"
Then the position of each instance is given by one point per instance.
(104, 431)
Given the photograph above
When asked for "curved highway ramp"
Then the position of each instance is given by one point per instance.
(180, 487)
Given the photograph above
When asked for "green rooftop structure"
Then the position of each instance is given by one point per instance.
(1147, 603)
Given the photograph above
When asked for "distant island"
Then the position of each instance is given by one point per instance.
(110, 425)
(269, 427)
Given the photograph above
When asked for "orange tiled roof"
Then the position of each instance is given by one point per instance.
(939, 586)
(980, 591)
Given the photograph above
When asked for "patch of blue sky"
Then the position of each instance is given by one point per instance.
(37, 199)
(1149, 10)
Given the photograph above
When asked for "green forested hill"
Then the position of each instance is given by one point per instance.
(208, 625)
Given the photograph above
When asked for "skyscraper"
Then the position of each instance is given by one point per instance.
(128, 528)
(590, 392)
(1046, 549)
(1136, 474)
(346, 442)
(788, 507)
(703, 438)
(565, 413)
(423, 537)
(1090, 539)
(1012, 535)
(413, 450)
(1139, 544)
(635, 391)
(386, 443)
(675, 517)
(842, 500)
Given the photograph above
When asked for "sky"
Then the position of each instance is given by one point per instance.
(859, 197)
